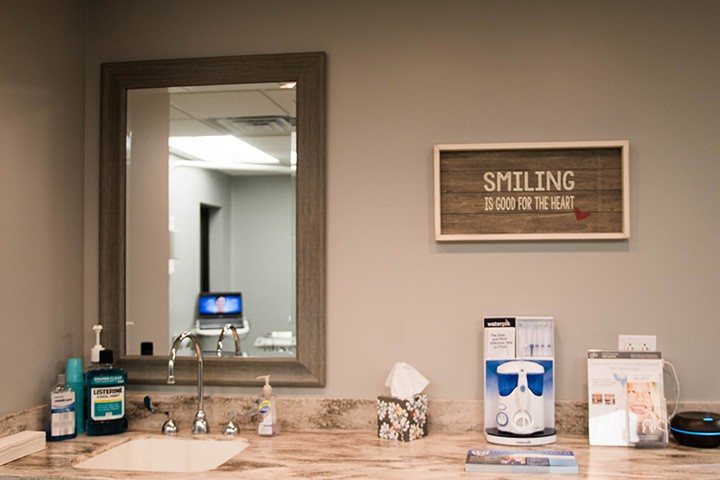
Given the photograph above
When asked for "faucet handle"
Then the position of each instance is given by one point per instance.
(231, 428)
(169, 427)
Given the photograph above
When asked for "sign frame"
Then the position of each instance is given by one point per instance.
(621, 234)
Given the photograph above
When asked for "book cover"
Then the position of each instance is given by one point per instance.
(521, 461)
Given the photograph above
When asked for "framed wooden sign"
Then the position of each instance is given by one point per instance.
(532, 191)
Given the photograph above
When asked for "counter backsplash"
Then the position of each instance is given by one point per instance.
(310, 413)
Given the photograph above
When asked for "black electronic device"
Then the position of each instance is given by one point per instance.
(696, 429)
(215, 309)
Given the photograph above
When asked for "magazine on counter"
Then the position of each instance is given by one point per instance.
(521, 461)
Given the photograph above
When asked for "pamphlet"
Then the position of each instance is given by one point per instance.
(521, 461)
(626, 399)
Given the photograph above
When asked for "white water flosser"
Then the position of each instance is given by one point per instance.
(548, 339)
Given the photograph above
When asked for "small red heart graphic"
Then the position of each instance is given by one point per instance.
(580, 215)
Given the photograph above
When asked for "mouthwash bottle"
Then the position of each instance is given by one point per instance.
(61, 419)
(105, 397)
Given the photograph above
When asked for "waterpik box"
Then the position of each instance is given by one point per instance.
(519, 393)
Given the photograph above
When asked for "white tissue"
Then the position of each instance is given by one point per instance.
(404, 381)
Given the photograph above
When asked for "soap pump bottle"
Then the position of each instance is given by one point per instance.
(97, 348)
(267, 409)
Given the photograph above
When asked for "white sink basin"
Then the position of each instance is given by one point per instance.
(166, 455)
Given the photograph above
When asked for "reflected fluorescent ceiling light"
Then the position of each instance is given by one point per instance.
(293, 148)
(288, 85)
(220, 148)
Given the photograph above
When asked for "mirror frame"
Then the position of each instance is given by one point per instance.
(308, 69)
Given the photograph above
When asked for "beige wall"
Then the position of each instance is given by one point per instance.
(404, 75)
(42, 56)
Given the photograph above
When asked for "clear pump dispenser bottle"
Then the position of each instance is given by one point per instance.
(267, 409)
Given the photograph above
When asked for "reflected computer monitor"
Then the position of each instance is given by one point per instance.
(215, 309)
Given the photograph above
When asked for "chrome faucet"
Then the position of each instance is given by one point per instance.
(200, 424)
(236, 339)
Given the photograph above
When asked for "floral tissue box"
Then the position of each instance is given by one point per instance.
(401, 419)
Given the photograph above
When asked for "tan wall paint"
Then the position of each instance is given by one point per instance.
(42, 56)
(404, 75)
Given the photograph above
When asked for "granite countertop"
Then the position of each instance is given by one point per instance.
(351, 454)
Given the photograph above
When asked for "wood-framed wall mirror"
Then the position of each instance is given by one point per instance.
(212, 212)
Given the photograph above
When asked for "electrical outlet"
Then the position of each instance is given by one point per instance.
(637, 343)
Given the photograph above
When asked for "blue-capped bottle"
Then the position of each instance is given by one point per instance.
(75, 379)
(105, 397)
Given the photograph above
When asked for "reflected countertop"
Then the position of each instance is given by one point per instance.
(350, 454)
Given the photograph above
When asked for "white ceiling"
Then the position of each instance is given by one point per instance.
(259, 114)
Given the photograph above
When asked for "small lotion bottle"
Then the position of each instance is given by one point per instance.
(267, 409)
(61, 417)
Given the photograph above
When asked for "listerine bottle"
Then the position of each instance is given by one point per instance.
(105, 397)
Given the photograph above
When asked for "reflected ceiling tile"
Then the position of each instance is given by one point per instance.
(177, 114)
(226, 104)
(285, 99)
(183, 128)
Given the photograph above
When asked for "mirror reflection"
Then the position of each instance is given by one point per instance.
(210, 219)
